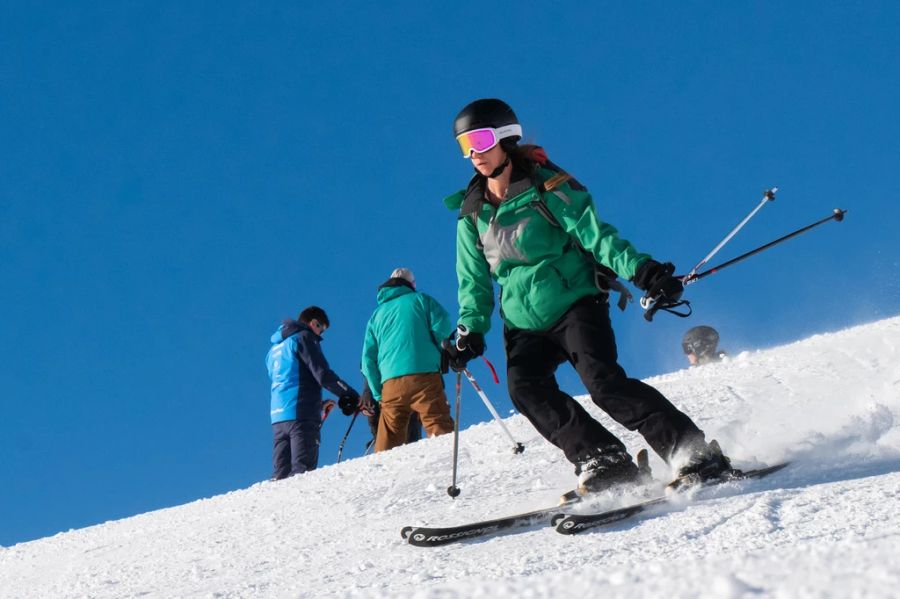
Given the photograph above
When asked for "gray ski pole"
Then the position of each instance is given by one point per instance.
(768, 196)
(347, 434)
(517, 447)
(453, 490)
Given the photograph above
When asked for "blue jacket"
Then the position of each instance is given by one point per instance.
(403, 334)
(299, 370)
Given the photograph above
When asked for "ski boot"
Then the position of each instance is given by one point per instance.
(609, 468)
(626, 475)
(706, 462)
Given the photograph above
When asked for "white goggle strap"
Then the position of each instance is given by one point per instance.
(508, 131)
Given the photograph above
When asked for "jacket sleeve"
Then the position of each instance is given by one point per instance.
(476, 288)
(311, 354)
(575, 212)
(369, 362)
(438, 320)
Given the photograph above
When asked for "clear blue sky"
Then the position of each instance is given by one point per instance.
(175, 178)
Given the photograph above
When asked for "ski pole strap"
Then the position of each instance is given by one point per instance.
(651, 307)
(493, 370)
(327, 407)
(617, 286)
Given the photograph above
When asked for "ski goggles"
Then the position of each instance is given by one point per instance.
(482, 140)
(695, 348)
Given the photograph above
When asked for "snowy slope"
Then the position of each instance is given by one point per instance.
(826, 526)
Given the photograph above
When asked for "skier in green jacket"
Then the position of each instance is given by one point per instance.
(534, 231)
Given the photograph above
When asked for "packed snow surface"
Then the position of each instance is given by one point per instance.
(825, 526)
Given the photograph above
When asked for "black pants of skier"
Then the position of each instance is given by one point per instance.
(296, 447)
(584, 337)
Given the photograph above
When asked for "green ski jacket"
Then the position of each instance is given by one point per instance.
(540, 268)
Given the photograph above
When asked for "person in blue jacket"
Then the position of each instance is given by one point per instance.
(298, 370)
(401, 360)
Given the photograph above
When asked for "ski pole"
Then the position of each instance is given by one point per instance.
(453, 490)
(837, 216)
(347, 434)
(768, 196)
(517, 447)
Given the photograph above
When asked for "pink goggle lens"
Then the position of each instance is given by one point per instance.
(477, 140)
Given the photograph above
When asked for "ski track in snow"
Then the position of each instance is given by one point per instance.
(825, 526)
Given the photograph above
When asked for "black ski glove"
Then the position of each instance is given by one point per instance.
(468, 345)
(657, 281)
(348, 403)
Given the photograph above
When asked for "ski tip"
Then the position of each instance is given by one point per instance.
(406, 530)
(693, 481)
(566, 525)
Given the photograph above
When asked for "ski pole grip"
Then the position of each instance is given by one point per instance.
(650, 307)
(461, 332)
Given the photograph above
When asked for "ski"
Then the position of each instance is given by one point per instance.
(429, 536)
(570, 524)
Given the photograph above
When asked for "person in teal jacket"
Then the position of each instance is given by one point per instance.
(534, 231)
(401, 360)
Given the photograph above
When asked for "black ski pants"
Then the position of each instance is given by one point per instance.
(584, 337)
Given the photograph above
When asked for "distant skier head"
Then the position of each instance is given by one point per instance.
(316, 318)
(700, 345)
(487, 131)
(405, 274)
(400, 277)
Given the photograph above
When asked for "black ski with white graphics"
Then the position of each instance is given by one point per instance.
(570, 524)
(433, 536)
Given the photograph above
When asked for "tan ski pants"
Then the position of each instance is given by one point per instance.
(420, 393)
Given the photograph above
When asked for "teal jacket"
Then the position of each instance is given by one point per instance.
(403, 335)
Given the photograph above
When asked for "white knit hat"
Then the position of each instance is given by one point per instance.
(403, 273)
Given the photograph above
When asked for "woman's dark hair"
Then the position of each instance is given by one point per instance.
(518, 156)
(314, 313)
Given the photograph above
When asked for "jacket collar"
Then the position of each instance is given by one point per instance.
(519, 182)
(386, 294)
(396, 282)
(291, 327)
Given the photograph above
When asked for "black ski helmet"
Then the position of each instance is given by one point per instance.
(488, 112)
(700, 341)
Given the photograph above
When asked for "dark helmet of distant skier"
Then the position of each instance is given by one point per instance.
(482, 124)
(700, 341)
